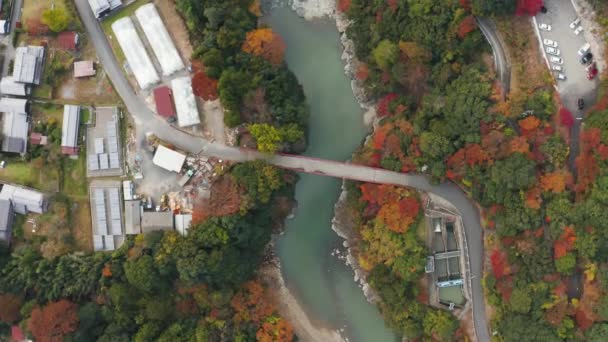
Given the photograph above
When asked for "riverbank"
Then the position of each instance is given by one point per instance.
(290, 308)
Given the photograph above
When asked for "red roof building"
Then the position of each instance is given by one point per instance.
(17, 334)
(68, 40)
(163, 96)
(35, 138)
(72, 151)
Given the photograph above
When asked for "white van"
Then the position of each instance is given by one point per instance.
(584, 49)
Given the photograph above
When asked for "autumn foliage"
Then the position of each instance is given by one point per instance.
(467, 25)
(395, 207)
(383, 105)
(265, 43)
(555, 182)
(53, 321)
(565, 243)
(9, 307)
(565, 117)
(344, 5)
(500, 265)
(530, 123)
(204, 87)
(225, 200)
(528, 7)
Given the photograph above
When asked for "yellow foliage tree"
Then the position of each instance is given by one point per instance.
(265, 43)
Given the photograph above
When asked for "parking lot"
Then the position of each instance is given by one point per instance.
(560, 14)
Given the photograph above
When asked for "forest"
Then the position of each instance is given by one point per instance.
(159, 286)
(442, 113)
(242, 64)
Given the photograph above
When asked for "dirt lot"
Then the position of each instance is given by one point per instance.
(32, 9)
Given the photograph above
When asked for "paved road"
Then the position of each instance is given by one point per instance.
(147, 121)
(503, 68)
(560, 13)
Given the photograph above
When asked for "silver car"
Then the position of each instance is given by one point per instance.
(553, 51)
(549, 42)
(557, 68)
(556, 60)
(575, 23)
(578, 30)
(561, 77)
(544, 27)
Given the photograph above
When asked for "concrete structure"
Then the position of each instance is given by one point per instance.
(185, 103)
(182, 223)
(24, 200)
(133, 217)
(101, 8)
(104, 151)
(163, 97)
(135, 52)
(28, 65)
(7, 216)
(84, 69)
(69, 132)
(156, 220)
(169, 159)
(159, 39)
(8, 86)
(106, 215)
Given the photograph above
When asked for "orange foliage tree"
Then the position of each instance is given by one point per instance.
(467, 25)
(397, 207)
(530, 123)
(344, 5)
(204, 87)
(275, 330)
(252, 303)
(264, 42)
(519, 144)
(565, 243)
(52, 322)
(225, 200)
(555, 182)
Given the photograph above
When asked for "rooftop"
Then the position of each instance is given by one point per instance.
(84, 69)
(169, 159)
(185, 102)
(163, 97)
(8, 86)
(156, 220)
(69, 132)
(68, 40)
(28, 64)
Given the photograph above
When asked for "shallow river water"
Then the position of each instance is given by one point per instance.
(323, 284)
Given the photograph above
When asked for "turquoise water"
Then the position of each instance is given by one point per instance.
(323, 284)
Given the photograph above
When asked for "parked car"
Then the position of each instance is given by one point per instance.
(591, 71)
(586, 59)
(584, 49)
(556, 60)
(557, 68)
(561, 77)
(575, 23)
(580, 103)
(171, 119)
(549, 42)
(2, 164)
(553, 51)
(578, 30)
(545, 27)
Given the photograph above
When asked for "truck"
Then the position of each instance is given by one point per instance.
(186, 178)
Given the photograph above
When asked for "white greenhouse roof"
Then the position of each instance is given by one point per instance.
(159, 39)
(185, 103)
(135, 52)
(169, 159)
(71, 121)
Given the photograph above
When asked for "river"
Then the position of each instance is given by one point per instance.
(321, 282)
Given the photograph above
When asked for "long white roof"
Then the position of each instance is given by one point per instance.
(8, 86)
(159, 39)
(135, 52)
(185, 102)
(71, 121)
(12, 105)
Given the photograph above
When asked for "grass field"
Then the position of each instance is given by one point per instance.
(75, 177)
(32, 9)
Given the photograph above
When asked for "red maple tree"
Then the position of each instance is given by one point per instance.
(565, 117)
(467, 25)
(55, 320)
(528, 7)
(203, 86)
(565, 243)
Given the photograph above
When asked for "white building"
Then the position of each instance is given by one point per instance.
(24, 200)
(8, 86)
(69, 132)
(15, 125)
(159, 39)
(135, 52)
(185, 102)
(106, 216)
(101, 8)
(28, 64)
(168, 159)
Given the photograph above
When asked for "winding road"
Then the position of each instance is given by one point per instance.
(147, 121)
(488, 29)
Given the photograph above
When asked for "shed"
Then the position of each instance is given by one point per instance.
(182, 223)
(24, 200)
(84, 69)
(28, 64)
(185, 102)
(159, 39)
(7, 216)
(169, 159)
(156, 220)
(68, 40)
(12, 105)
(163, 97)
(133, 217)
(8, 86)
(14, 133)
(69, 132)
(135, 52)
(38, 139)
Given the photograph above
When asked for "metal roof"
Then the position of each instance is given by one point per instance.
(15, 127)
(185, 102)
(152, 221)
(71, 121)
(106, 215)
(103, 161)
(12, 105)
(84, 69)
(159, 39)
(6, 219)
(132, 217)
(24, 200)
(99, 146)
(182, 223)
(135, 52)
(28, 64)
(101, 7)
(163, 98)
(168, 159)
(8, 86)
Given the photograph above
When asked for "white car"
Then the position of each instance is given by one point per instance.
(556, 60)
(561, 77)
(549, 42)
(578, 30)
(553, 51)
(557, 68)
(545, 27)
(584, 49)
(575, 23)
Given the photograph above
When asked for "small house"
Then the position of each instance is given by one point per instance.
(84, 69)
